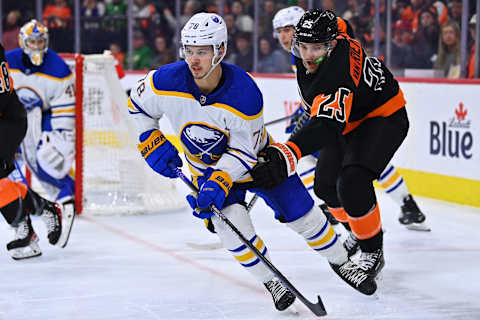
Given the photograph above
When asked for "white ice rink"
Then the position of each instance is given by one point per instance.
(141, 268)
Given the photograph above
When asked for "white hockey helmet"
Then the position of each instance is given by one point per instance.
(286, 17)
(30, 33)
(206, 29)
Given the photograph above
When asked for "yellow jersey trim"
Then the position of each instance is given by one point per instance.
(43, 75)
(236, 112)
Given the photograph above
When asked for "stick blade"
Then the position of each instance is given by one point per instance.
(318, 308)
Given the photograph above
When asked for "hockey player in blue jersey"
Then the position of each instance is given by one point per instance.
(284, 23)
(45, 86)
(216, 110)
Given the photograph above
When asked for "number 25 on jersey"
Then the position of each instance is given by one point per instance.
(334, 106)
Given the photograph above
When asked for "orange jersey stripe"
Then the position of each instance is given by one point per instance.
(367, 226)
(387, 109)
(339, 213)
(11, 191)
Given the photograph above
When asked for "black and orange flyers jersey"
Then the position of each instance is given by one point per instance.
(347, 88)
(13, 121)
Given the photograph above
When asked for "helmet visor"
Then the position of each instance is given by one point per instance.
(315, 52)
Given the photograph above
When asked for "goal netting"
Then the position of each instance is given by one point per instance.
(110, 175)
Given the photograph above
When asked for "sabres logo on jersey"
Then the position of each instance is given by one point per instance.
(203, 142)
(29, 98)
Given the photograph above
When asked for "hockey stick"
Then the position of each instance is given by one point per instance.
(317, 308)
(278, 120)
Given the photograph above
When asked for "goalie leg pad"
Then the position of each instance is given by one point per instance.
(320, 235)
(239, 217)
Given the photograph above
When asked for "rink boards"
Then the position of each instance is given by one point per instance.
(440, 157)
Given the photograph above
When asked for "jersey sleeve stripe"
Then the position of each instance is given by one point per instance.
(136, 106)
(240, 160)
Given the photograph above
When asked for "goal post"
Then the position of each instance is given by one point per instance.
(110, 175)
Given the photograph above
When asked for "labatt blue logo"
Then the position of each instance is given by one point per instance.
(452, 138)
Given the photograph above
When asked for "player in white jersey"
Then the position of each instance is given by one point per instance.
(284, 23)
(216, 110)
(45, 86)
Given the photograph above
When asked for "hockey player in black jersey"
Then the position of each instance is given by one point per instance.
(357, 122)
(16, 200)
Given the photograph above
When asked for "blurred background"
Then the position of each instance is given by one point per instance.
(415, 38)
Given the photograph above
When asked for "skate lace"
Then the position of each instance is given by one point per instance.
(351, 272)
(276, 289)
(367, 260)
(22, 230)
(351, 241)
(48, 218)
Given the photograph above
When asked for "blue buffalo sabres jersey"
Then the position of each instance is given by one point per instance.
(223, 129)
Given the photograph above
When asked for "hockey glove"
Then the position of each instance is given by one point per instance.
(277, 162)
(214, 191)
(158, 152)
(56, 152)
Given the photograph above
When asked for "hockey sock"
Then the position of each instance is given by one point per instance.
(368, 229)
(11, 201)
(320, 235)
(238, 216)
(394, 185)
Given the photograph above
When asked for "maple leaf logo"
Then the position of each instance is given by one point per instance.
(460, 112)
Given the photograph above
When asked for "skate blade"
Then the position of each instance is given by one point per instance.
(291, 310)
(418, 227)
(67, 223)
(31, 251)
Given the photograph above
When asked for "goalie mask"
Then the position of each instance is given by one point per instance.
(33, 39)
(206, 29)
(314, 34)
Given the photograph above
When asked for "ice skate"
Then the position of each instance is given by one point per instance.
(25, 244)
(351, 244)
(355, 276)
(51, 215)
(411, 216)
(282, 296)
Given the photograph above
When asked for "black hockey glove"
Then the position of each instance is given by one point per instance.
(277, 163)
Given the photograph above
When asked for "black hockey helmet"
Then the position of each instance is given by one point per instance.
(316, 26)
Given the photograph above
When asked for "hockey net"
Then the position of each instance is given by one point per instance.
(110, 175)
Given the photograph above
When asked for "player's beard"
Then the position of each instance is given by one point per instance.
(310, 65)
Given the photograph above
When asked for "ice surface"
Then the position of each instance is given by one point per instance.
(140, 267)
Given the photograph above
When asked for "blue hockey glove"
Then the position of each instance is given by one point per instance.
(214, 191)
(158, 152)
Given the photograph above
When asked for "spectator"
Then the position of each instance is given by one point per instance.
(244, 55)
(232, 31)
(243, 22)
(163, 54)
(402, 53)
(116, 51)
(448, 58)
(425, 41)
(266, 17)
(57, 16)
(455, 11)
(142, 54)
(11, 30)
(272, 60)
(144, 14)
(191, 7)
(91, 13)
(116, 22)
(351, 11)
(471, 60)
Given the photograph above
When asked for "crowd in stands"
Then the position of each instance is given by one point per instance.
(425, 33)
